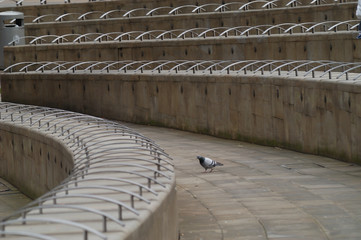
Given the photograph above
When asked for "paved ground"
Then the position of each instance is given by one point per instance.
(10, 199)
(260, 192)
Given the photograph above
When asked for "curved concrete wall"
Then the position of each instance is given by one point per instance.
(123, 180)
(313, 116)
(33, 162)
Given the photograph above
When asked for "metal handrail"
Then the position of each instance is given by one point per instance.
(170, 32)
(128, 34)
(85, 228)
(270, 4)
(225, 6)
(192, 31)
(83, 173)
(141, 66)
(104, 215)
(128, 13)
(60, 18)
(176, 10)
(85, 36)
(323, 24)
(302, 25)
(49, 196)
(141, 186)
(214, 30)
(280, 28)
(202, 7)
(210, 68)
(60, 39)
(103, 187)
(94, 161)
(105, 15)
(107, 35)
(10, 68)
(149, 33)
(82, 17)
(347, 23)
(347, 71)
(154, 10)
(246, 6)
(13, 42)
(195, 32)
(293, 3)
(26, 234)
(37, 20)
(342, 65)
(41, 38)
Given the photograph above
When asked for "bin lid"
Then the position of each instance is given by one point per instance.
(11, 15)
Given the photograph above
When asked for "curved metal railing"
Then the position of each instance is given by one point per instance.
(313, 69)
(108, 158)
(182, 9)
(238, 31)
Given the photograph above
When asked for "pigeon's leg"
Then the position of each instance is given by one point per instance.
(211, 170)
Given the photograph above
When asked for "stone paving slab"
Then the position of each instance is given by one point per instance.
(260, 192)
(10, 199)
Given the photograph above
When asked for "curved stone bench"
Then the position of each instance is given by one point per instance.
(91, 177)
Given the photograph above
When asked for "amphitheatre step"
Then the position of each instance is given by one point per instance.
(139, 8)
(340, 46)
(51, 24)
(294, 104)
(85, 173)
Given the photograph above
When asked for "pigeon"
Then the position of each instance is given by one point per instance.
(208, 163)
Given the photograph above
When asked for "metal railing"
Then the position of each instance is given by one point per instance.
(281, 67)
(238, 31)
(182, 9)
(108, 158)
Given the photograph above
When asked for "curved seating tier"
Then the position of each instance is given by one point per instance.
(119, 180)
(301, 68)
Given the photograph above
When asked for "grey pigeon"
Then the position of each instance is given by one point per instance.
(208, 163)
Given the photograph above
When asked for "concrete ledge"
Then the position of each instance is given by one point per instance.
(96, 177)
(309, 115)
(340, 46)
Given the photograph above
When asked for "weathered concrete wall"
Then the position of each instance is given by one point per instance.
(163, 222)
(320, 117)
(33, 162)
(342, 46)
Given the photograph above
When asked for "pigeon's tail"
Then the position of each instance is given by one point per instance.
(219, 164)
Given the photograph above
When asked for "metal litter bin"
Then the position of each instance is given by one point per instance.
(11, 30)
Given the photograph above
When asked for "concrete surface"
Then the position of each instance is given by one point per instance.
(318, 116)
(260, 192)
(10, 199)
